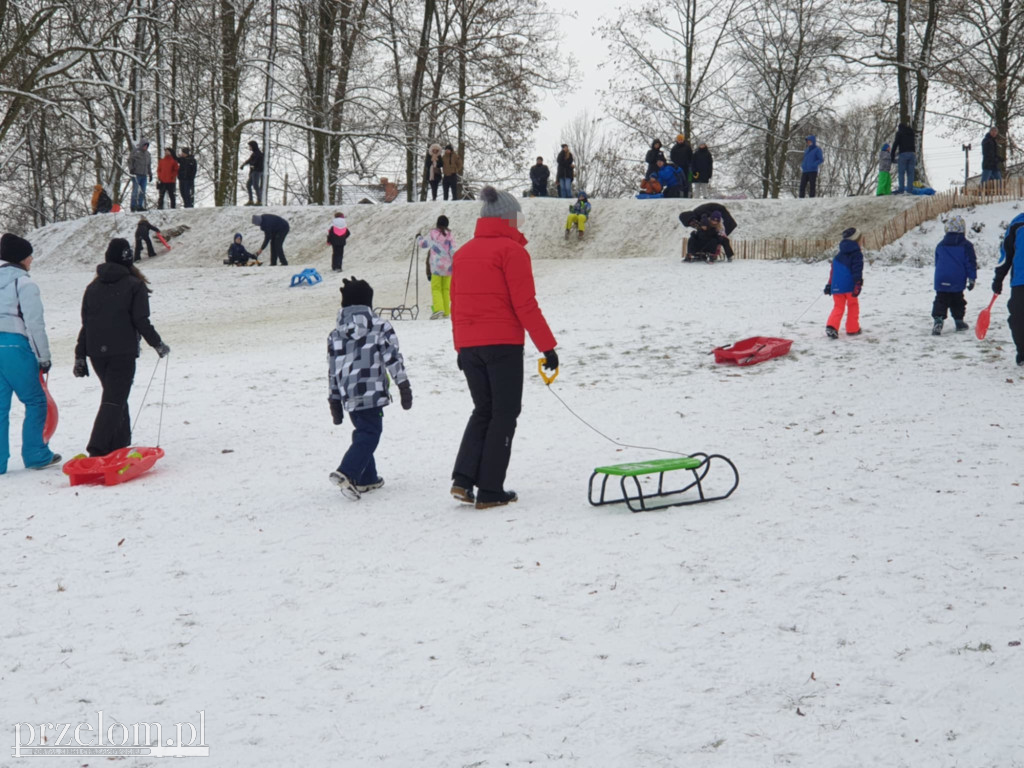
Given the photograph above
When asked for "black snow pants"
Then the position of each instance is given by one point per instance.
(954, 302)
(1016, 319)
(112, 428)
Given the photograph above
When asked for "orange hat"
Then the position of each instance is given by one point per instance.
(680, 138)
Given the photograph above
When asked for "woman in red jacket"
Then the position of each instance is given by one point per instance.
(167, 176)
(493, 306)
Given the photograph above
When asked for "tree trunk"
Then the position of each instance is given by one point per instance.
(226, 189)
(412, 120)
(268, 102)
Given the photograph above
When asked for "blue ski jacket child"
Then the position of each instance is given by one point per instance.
(847, 268)
(955, 263)
(813, 156)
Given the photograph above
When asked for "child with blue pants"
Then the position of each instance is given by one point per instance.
(24, 353)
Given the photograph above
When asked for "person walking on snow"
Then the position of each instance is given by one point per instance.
(565, 170)
(539, 175)
(493, 306)
(337, 236)
(452, 165)
(275, 230)
(903, 154)
(884, 172)
(681, 156)
(140, 168)
(579, 212)
(1013, 241)
(255, 181)
(24, 355)
(361, 351)
(813, 158)
(703, 168)
(166, 176)
(845, 281)
(956, 268)
(439, 266)
(115, 315)
(187, 177)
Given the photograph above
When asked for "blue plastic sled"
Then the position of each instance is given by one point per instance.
(922, 191)
(646, 196)
(307, 276)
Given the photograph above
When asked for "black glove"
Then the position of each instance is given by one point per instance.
(828, 289)
(337, 412)
(997, 286)
(405, 393)
(163, 350)
(857, 287)
(81, 368)
(970, 285)
(551, 360)
(44, 367)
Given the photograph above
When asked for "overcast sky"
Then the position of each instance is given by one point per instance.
(944, 157)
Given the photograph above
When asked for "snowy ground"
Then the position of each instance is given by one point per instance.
(854, 603)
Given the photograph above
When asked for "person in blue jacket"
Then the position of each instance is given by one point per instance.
(24, 354)
(1013, 241)
(275, 230)
(956, 268)
(845, 281)
(670, 178)
(813, 158)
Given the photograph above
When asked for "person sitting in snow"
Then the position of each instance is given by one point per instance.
(705, 244)
(1013, 241)
(361, 351)
(439, 266)
(101, 202)
(578, 214)
(956, 268)
(337, 236)
(692, 218)
(142, 230)
(650, 186)
(845, 281)
(238, 256)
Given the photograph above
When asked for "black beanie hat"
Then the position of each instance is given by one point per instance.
(356, 293)
(119, 252)
(14, 249)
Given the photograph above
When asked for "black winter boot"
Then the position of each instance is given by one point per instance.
(961, 325)
(937, 326)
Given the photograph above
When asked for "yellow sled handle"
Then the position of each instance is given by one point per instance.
(546, 378)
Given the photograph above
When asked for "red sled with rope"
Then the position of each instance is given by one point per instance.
(753, 350)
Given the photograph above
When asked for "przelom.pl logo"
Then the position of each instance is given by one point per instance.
(111, 739)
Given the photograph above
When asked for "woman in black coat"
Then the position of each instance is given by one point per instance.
(654, 154)
(115, 315)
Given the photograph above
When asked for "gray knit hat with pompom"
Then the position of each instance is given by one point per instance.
(498, 205)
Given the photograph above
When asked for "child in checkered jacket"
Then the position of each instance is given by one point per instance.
(361, 351)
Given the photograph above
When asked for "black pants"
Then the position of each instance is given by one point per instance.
(337, 254)
(673, 191)
(277, 248)
(450, 183)
(188, 190)
(954, 302)
(139, 239)
(495, 377)
(1016, 318)
(538, 191)
(809, 184)
(434, 184)
(168, 188)
(112, 428)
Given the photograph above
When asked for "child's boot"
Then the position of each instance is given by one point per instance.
(937, 326)
(832, 333)
(567, 233)
(960, 324)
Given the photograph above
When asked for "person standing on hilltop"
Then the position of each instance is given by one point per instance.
(681, 156)
(140, 168)
(904, 155)
(187, 177)
(565, 171)
(255, 182)
(813, 158)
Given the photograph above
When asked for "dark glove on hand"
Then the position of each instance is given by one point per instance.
(405, 392)
(828, 289)
(163, 350)
(970, 285)
(857, 287)
(44, 367)
(81, 368)
(551, 360)
(337, 412)
(997, 286)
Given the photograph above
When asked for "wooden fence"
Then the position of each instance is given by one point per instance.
(927, 208)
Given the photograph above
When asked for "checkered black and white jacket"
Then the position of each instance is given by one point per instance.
(359, 351)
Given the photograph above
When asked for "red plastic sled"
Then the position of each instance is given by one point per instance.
(52, 415)
(752, 351)
(115, 468)
(161, 239)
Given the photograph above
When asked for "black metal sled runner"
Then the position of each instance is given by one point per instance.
(692, 492)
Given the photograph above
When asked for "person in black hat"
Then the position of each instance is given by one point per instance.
(361, 351)
(24, 353)
(115, 315)
(275, 230)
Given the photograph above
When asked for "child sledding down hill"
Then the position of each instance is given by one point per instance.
(578, 214)
(845, 281)
(238, 256)
(705, 243)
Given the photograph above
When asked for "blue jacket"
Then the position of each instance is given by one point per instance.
(578, 208)
(1013, 241)
(955, 263)
(847, 268)
(668, 176)
(813, 156)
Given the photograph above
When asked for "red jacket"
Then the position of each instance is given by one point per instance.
(493, 298)
(167, 170)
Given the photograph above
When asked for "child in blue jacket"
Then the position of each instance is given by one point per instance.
(845, 281)
(956, 268)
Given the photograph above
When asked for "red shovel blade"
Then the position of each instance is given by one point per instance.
(161, 239)
(51, 411)
(981, 327)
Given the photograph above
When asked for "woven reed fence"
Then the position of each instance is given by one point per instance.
(927, 208)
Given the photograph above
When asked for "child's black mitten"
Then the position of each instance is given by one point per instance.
(337, 412)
